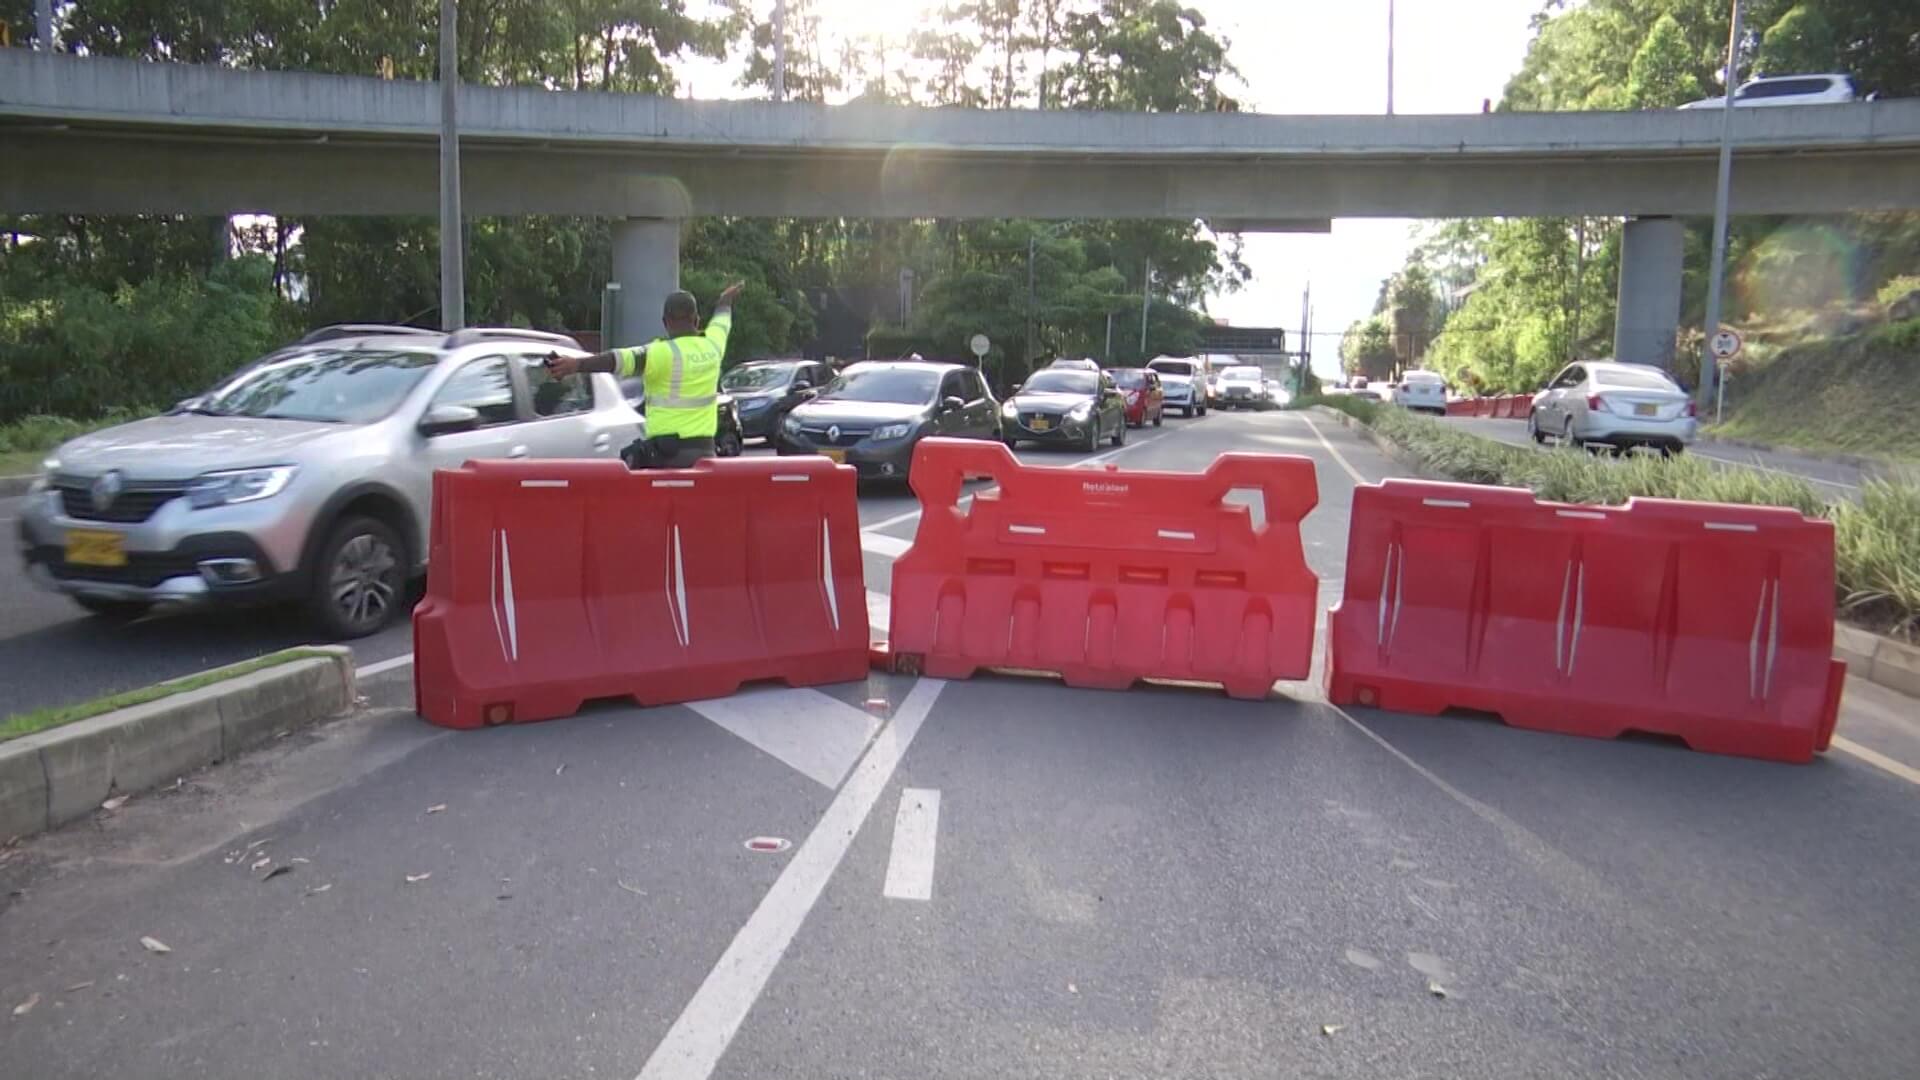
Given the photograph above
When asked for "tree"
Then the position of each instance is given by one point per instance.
(1367, 349)
(1410, 310)
(1802, 41)
(1145, 56)
(1660, 76)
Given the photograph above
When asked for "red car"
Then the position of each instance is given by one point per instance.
(1146, 403)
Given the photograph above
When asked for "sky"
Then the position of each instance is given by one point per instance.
(1297, 56)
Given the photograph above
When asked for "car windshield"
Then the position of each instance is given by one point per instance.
(758, 377)
(1062, 382)
(1242, 374)
(901, 386)
(1172, 367)
(1132, 380)
(1629, 379)
(337, 386)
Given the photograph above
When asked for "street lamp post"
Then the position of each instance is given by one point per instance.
(453, 270)
(1716, 271)
(1389, 57)
(779, 50)
(1146, 299)
(43, 24)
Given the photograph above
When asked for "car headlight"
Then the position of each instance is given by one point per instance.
(791, 425)
(1010, 410)
(48, 466)
(239, 485)
(892, 431)
(1082, 411)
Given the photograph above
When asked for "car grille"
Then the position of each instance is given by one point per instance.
(1053, 419)
(849, 436)
(135, 504)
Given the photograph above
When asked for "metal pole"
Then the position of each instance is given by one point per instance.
(1306, 335)
(1107, 357)
(1029, 332)
(779, 50)
(43, 24)
(1719, 395)
(1389, 57)
(1716, 270)
(1146, 297)
(453, 271)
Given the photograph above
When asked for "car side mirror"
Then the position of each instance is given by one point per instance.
(807, 393)
(186, 405)
(447, 419)
(952, 404)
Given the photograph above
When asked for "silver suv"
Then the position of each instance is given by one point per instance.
(307, 475)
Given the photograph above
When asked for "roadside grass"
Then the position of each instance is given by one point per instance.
(1876, 539)
(27, 723)
(25, 442)
(1361, 409)
(1855, 395)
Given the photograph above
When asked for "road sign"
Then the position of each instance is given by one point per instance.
(1725, 344)
(980, 345)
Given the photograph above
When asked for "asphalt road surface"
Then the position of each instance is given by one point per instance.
(1834, 480)
(1001, 877)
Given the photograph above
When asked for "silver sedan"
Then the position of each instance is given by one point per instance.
(1615, 405)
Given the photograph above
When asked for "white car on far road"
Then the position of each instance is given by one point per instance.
(1786, 90)
(1422, 391)
(1599, 402)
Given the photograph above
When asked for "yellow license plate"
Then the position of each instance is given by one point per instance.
(1041, 423)
(838, 457)
(91, 547)
(1646, 410)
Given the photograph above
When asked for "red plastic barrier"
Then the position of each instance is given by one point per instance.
(1711, 623)
(1483, 406)
(1503, 408)
(554, 583)
(1522, 407)
(1107, 577)
(1462, 407)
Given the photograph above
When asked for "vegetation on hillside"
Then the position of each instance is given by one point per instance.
(1857, 394)
(81, 295)
(1511, 300)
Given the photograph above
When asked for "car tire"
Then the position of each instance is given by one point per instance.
(1092, 442)
(113, 609)
(359, 579)
(1159, 416)
(1186, 413)
(1533, 429)
(1120, 432)
(1203, 410)
(729, 444)
(1672, 450)
(1567, 437)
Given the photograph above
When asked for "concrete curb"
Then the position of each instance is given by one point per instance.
(15, 485)
(1858, 461)
(1879, 660)
(52, 777)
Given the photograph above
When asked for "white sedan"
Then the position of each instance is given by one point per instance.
(1602, 403)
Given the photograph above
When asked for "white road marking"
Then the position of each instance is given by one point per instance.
(879, 613)
(1777, 472)
(701, 1034)
(1337, 456)
(381, 666)
(818, 736)
(1877, 759)
(888, 523)
(915, 829)
(889, 547)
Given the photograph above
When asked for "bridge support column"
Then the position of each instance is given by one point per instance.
(1648, 312)
(646, 263)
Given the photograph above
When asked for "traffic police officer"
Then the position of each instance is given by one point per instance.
(681, 373)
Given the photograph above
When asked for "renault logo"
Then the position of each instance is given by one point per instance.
(833, 433)
(106, 489)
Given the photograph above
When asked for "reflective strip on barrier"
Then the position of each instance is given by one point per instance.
(1106, 577)
(1707, 622)
(553, 583)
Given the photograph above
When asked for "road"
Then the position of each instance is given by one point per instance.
(1000, 877)
(1832, 479)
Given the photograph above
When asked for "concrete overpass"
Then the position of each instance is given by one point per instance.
(91, 135)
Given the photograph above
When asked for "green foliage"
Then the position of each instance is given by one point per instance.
(1898, 287)
(1367, 349)
(1877, 555)
(1361, 409)
(1661, 75)
(1802, 41)
(38, 434)
(1857, 396)
(78, 350)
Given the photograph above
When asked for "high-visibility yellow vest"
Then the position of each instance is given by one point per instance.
(682, 378)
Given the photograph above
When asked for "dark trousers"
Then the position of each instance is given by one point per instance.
(667, 452)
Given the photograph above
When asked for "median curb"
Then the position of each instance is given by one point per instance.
(62, 774)
(1858, 461)
(1879, 660)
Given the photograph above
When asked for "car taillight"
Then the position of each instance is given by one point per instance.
(1596, 403)
(1693, 408)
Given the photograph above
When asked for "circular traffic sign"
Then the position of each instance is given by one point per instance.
(1725, 344)
(979, 344)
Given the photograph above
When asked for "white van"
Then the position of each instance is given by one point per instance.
(1786, 90)
(1184, 381)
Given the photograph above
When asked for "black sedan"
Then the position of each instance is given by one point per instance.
(874, 413)
(766, 390)
(1078, 408)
